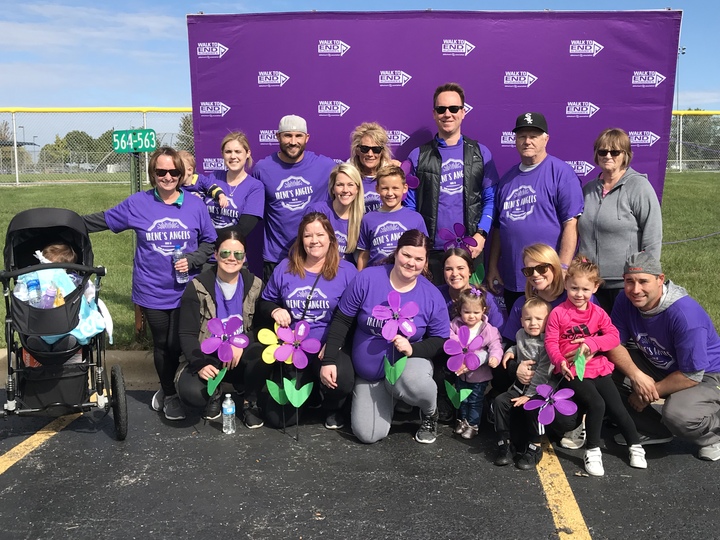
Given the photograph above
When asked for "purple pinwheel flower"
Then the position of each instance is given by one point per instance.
(396, 317)
(410, 179)
(463, 352)
(295, 344)
(554, 401)
(223, 336)
(457, 238)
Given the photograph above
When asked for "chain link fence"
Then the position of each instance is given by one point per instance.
(75, 144)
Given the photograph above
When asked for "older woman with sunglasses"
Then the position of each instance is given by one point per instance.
(369, 152)
(622, 214)
(223, 291)
(162, 217)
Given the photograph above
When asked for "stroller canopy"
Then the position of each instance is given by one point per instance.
(33, 229)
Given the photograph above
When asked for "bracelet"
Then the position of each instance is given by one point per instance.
(563, 266)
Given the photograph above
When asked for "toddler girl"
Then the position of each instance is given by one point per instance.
(578, 327)
(472, 307)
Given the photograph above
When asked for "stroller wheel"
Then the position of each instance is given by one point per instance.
(119, 402)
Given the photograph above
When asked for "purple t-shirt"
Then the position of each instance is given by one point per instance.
(339, 225)
(289, 189)
(372, 197)
(451, 203)
(248, 197)
(231, 307)
(531, 207)
(371, 288)
(380, 231)
(291, 292)
(496, 306)
(159, 227)
(681, 338)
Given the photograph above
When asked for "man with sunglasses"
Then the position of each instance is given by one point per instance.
(676, 356)
(293, 178)
(457, 179)
(537, 201)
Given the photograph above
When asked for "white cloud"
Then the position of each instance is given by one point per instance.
(708, 100)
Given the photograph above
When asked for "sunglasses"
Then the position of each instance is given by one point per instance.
(540, 269)
(238, 255)
(440, 109)
(613, 153)
(365, 149)
(162, 172)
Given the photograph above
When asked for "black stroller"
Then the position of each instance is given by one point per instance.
(57, 379)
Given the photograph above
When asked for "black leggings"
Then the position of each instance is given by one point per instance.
(595, 395)
(163, 325)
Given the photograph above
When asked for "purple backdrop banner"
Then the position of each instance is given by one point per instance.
(586, 71)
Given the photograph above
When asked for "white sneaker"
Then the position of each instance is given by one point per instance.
(711, 452)
(574, 439)
(637, 457)
(158, 400)
(593, 462)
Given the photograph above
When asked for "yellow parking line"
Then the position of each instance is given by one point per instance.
(11, 457)
(569, 521)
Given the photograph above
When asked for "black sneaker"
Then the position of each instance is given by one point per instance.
(530, 458)
(335, 420)
(213, 409)
(504, 454)
(428, 429)
(446, 412)
(251, 416)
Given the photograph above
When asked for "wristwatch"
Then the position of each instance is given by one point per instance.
(482, 232)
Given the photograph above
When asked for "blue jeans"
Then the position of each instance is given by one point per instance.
(471, 409)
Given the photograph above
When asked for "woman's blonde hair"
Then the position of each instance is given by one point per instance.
(240, 137)
(380, 138)
(544, 254)
(357, 208)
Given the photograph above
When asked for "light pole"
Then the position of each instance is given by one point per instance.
(679, 120)
(23, 135)
(34, 151)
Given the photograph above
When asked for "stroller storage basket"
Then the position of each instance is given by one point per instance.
(49, 385)
(32, 321)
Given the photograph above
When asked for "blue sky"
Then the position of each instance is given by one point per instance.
(73, 53)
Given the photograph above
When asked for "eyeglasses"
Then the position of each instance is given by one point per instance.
(440, 109)
(162, 172)
(225, 253)
(365, 149)
(540, 269)
(613, 153)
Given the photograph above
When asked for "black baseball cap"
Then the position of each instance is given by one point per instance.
(532, 120)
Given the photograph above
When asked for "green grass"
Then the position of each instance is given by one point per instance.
(30, 178)
(689, 211)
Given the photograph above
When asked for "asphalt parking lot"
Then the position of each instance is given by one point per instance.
(188, 480)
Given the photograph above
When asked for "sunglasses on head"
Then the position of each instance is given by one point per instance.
(225, 253)
(540, 269)
(175, 173)
(613, 153)
(365, 149)
(440, 109)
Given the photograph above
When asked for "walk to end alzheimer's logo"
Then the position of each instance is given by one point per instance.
(518, 79)
(211, 49)
(213, 164)
(397, 137)
(456, 47)
(393, 77)
(584, 47)
(507, 139)
(580, 109)
(213, 108)
(267, 79)
(467, 107)
(647, 79)
(332, 47)
(267, 137)
(643, 138)
(332, 108)
(581, 168)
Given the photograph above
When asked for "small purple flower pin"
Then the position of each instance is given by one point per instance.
(295, 344)
(396, 317)
(224, 337)
(462, 350)
(457, 238)
(558, 400)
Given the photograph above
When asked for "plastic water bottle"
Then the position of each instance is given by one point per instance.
(20, 291)
(48, 297)
(177, 254)
(33, 288)
(228, 414)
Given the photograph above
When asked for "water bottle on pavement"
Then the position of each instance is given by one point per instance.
(33, 288)
(228, 414)
(177, 254)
